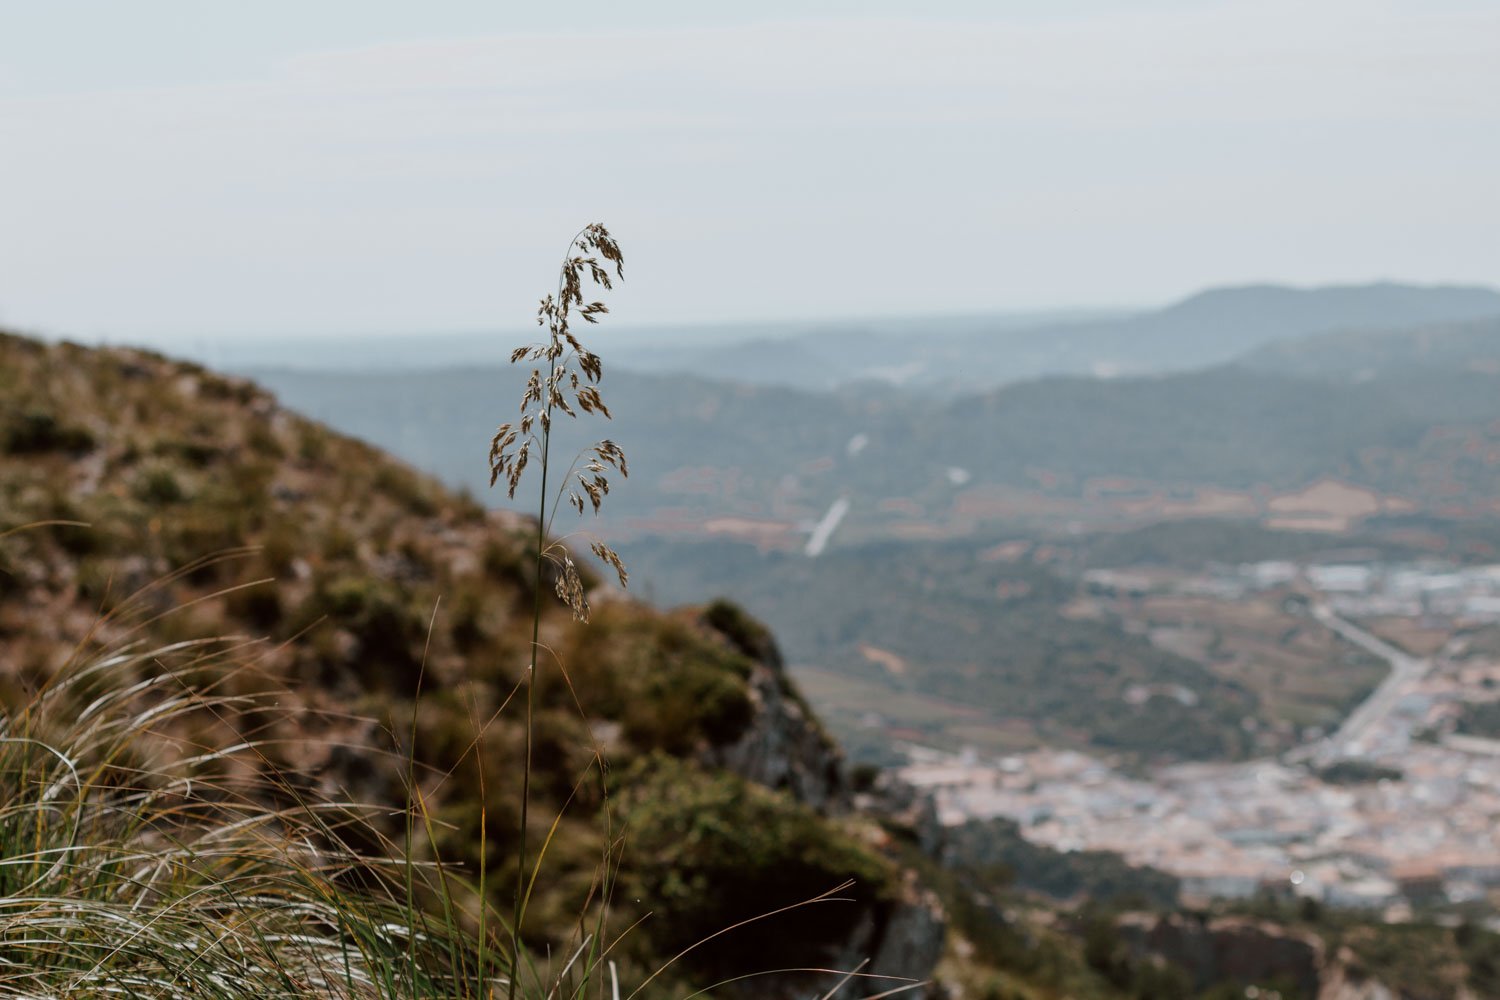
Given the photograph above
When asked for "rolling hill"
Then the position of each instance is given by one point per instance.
(1361, 354)
(765, 462)
(959, 644)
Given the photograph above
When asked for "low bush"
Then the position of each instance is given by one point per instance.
(724, 850)
(35, 431)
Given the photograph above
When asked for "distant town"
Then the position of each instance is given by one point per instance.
(1395, 809)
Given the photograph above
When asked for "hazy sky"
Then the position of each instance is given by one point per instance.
(191, 168)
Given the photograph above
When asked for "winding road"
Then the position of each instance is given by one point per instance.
(1351, 738)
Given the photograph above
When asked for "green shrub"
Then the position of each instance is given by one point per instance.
(280, 548)
(259, 605)
(405, 488)
(1357, 772)
(263, 441)
(158, 485)
(36, 431)
(195, 446)
(712, 850)
(1480, 719)
(468, 621)
(313, 443)
(745, 633)
(671, 687)
(387, 630)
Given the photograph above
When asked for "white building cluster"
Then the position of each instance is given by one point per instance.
(1412, 590)
(1230, 830)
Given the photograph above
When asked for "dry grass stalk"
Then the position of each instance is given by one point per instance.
(565, 370)
(567, 376)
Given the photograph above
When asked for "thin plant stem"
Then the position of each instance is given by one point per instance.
(536, 633)
(560, 350)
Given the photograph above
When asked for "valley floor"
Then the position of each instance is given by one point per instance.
(1424, 819)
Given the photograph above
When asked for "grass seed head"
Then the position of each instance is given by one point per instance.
(570, 385)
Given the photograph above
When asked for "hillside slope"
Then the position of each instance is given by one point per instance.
(198, 507)
(1237, 429)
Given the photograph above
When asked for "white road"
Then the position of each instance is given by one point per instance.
(825, 528)
(1350, 738)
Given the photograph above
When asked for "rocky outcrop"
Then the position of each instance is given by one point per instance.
(901, 806)
(785, 746)
(900, 943)
(912, 940)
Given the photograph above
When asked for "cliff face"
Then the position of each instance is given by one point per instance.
(902, 941)
(786, 748)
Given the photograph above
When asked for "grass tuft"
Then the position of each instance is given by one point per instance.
(134, 860)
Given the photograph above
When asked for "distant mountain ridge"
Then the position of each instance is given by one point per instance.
(1472, 346)
(1218, 325)
(931, 355)
(1246, 316)
(1209, 328)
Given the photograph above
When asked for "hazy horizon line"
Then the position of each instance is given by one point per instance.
(770, 325)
